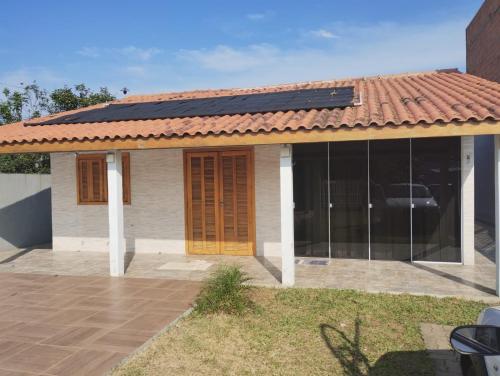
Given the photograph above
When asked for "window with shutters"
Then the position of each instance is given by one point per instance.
(92, 181)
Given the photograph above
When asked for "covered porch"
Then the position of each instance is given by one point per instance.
(471, 281)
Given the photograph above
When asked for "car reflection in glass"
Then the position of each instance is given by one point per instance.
(398, 195)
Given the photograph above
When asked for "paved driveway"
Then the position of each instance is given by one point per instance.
(80, 325)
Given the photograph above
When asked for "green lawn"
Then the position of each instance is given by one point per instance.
(305, 332)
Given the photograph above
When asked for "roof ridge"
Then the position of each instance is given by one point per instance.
(289, 84)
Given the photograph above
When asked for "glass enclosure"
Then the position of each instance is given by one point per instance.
(380, 200)
(311, 200)
(390, 229)
(436, 199)
(349, 199)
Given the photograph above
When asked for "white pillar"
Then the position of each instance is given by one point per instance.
(115, 214)
(497, 211)
(287, 238)
(467, 198)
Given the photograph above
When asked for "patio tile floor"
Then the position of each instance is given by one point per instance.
(144, 280)
(80, 339)
(85, 289)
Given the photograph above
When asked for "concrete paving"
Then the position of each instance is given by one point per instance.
(476, 282)
(436, 338)
(82, 325)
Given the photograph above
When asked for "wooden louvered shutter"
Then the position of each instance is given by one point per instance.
(202, 203)
(237, 203)
(126, 178)
(83, 181)
(92, 179)
(99, 180)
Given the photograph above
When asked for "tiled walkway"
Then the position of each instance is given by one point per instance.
(45, 261)
(476, 281)
(82, 325)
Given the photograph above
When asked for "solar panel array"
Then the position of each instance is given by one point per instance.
(292, 100)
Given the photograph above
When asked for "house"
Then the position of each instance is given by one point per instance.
(378, 168)
(483, 60)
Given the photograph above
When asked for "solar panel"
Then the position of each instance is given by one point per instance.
(292, 100)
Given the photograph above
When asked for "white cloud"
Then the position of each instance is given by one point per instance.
(362, 50)
(228, 59)
(143, 54)
(92, 52)
(256, 16)
(131, 52)
(135, 71)
(45, 77)
(322, 33)
(259, 16)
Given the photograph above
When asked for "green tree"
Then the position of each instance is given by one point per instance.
(29, 103)
(33, 101)
(67, 99)
(11, 108)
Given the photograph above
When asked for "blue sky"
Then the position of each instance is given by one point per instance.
(154, 46)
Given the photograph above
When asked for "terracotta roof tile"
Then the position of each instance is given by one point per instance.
(439, 96)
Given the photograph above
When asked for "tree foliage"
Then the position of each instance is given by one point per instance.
(33, 101)
(11, 109)
(66, 99)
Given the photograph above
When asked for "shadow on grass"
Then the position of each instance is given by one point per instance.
(410, 363)
(354, 362)
(348, 352)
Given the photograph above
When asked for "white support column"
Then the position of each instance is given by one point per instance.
(287, 237)
(467, 198)
(497, 211)
(115, 214)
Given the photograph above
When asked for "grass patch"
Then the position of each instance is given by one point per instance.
(225, 291)
(305, 332)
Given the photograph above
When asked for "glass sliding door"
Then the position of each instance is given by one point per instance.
(436, 199)
(354, 199)
(390, 228)
(310, 191)
(349, 199)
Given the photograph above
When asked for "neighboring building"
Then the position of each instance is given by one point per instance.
(483, 60)
(483, 42)
(375, 168)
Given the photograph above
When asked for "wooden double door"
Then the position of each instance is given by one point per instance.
(219, 192)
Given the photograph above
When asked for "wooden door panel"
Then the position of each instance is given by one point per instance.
(220, 202)
(227, 199)
(211, 205)
(202, 203)
(237, 203)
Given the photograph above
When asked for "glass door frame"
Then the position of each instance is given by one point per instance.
(460, 211)
(370, 207)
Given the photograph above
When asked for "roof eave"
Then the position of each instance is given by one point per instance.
(469, 128)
